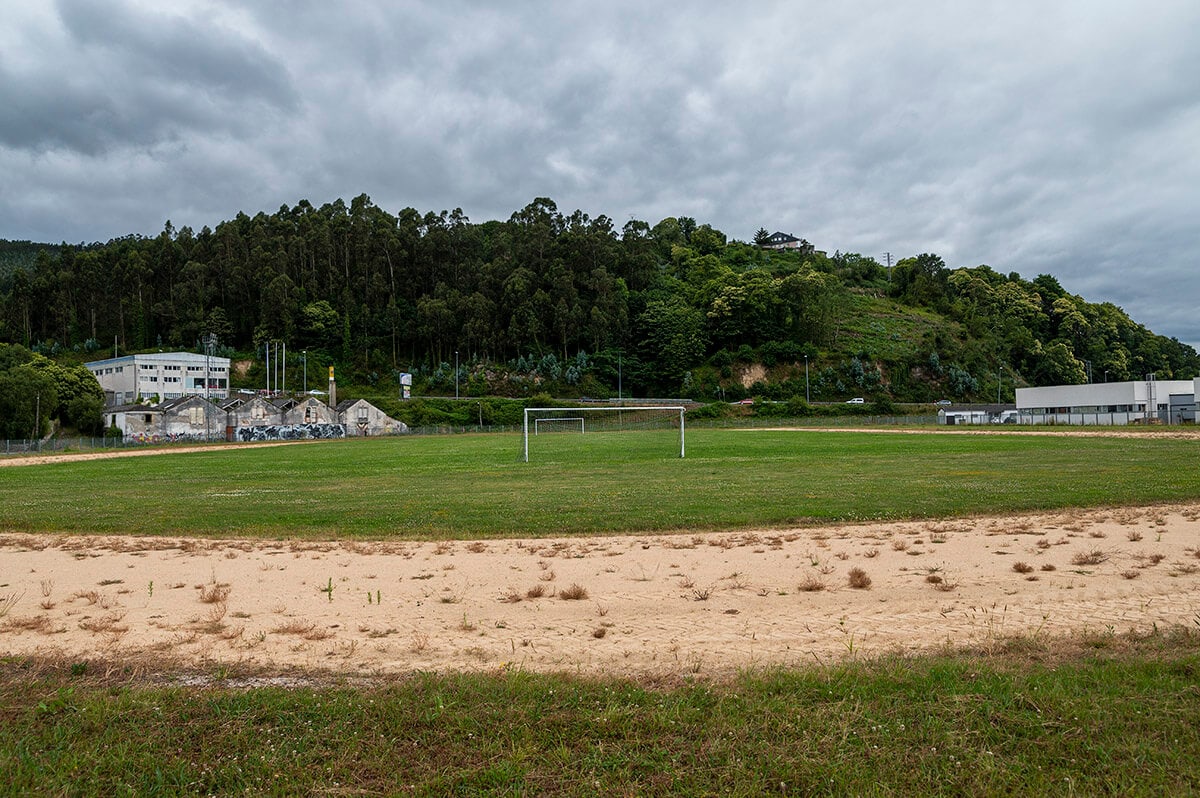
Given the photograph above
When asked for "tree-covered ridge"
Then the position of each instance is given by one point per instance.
(547, 300)
(19, 255)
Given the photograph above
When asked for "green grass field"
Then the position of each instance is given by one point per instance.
(1111, 716)
(475, 486)
(1096, 714)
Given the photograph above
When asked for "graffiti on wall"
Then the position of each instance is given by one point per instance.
(170, 437)
(290, 432)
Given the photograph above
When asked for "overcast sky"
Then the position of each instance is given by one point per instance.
(1037, 137)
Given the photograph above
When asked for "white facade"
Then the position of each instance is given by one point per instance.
(1136, 402)
(167, 375)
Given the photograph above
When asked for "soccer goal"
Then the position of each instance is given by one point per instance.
(558, 424)
(602, 419)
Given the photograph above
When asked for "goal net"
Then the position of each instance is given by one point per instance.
(558, 424)
(594, 421)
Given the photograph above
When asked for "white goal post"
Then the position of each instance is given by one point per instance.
(582, 410)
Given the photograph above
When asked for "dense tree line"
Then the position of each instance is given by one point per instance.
(568, 298)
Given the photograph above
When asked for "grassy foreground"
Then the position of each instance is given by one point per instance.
(1114, 716)
(475, 486)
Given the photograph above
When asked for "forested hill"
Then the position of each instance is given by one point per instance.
(558, 303)
(21, 255)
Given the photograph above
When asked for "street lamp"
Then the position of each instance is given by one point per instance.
(806, 399)
(455, 373)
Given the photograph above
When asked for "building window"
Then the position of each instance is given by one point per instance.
(146, 418)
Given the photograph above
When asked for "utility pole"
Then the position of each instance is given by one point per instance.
(887, 256)
(304, 357)
(618, 375)
(455, 373)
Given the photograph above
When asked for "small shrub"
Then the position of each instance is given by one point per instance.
(214, 593)
(573, 593)
(1049, 567)
(537, 591)
(858, 579)
(811, 584)
(599, 632)
(1022, 567)
(1130, 574)
(1092, 557)
(1133, 535)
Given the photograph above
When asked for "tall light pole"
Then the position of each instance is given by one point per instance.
(806, 399)
(455, 373)
(618, 375)
(304, 357)
(999, 377)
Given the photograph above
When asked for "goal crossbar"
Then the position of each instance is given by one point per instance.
(525, 424)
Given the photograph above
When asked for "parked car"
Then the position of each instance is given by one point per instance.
(858, 400)
(943, 403)
(746, 401)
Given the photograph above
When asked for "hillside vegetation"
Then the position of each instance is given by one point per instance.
(570, 305)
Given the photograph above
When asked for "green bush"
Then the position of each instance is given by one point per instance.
(711, 410)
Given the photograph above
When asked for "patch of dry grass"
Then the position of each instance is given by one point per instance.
(575, 592)
(858, 579)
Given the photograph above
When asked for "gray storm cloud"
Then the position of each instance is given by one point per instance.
(1034, 137)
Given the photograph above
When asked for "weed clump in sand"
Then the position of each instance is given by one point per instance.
(858, 579)
(811, 584)
(1090, 557)
(573, 593)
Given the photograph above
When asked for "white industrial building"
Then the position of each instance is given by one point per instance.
(1137, 402)
(167, 375)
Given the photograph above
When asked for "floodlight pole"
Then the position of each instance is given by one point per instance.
(304, 357)
(807, 401)
(455, 373)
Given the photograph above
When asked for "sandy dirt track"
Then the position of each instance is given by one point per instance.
(654, 604)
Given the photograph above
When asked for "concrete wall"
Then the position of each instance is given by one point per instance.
(289, 432)
(363, 418)
(311, 411)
